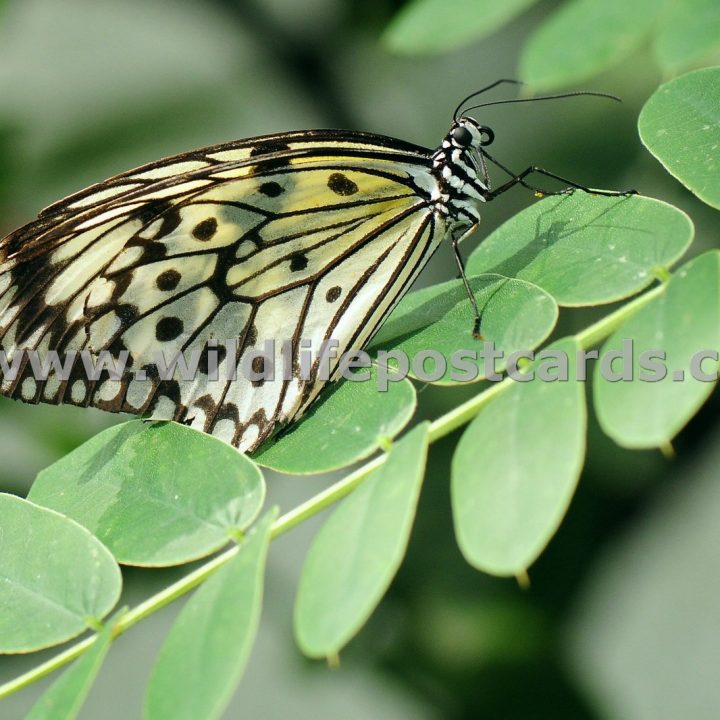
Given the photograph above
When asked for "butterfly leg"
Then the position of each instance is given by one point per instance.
(456, 239)
(519, 179)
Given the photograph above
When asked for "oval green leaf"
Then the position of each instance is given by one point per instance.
(683, 320)
(64, 698)
(584, 249)
(690, 31)
(680, 126)
(425, 27)
(349, 424)
(515, 315)
(203, 657)
(56, 579)
(585, 37)
(358, 550)
(516, 468)
(155, 493)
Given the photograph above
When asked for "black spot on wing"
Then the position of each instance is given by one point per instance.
(127, 313)
(333, 293)
(168, 328)
(298, 262)
(341, 184)
(168, 280)
(205, 230)
(271, 189)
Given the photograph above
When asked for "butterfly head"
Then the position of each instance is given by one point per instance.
(468, 134)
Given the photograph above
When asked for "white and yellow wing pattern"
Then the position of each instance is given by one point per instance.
(306, 235)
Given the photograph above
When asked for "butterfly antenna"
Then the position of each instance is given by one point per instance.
(578, 93)
(510, 81)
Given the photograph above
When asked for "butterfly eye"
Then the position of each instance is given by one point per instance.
(462, 136)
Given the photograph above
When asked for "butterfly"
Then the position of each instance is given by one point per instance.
(301, 235)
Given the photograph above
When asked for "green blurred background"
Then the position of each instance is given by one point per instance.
(621, 619)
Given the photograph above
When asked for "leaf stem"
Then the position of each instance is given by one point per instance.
(442, 426)
(597, 332)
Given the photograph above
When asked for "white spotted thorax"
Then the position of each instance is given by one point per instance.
(303, 236)
(457, 166)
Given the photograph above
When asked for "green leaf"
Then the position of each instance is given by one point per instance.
(515, 315)
(680, 126)
(64, 698)
(584, 38)
(358, 550)
(690, 31)
(431, 26)
(154, 493)
(56, 579)
(350, 423)
(587, 250)
(683, 320)
(516, 467)
(203, 657)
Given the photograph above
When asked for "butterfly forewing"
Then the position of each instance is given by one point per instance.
(210, 255)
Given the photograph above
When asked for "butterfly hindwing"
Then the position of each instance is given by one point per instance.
(300, 236)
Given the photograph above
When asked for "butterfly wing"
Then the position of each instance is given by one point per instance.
(204, 258)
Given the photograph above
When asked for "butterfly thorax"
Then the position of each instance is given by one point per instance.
(457, 168)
